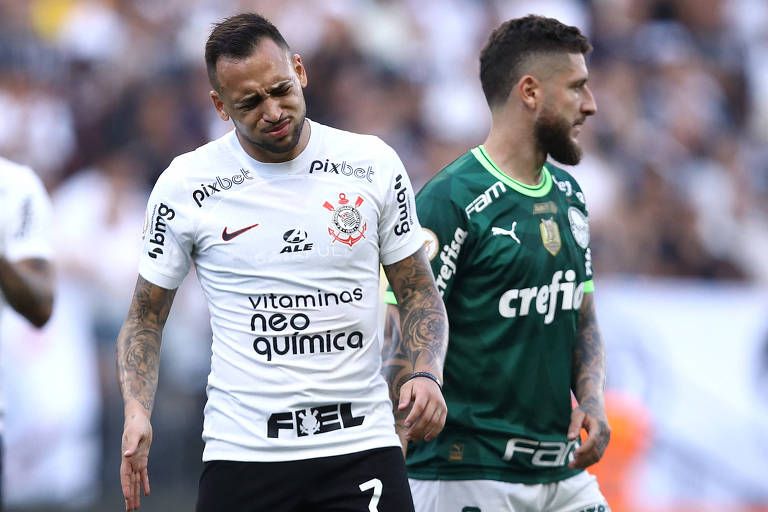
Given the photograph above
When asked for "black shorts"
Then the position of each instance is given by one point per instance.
(368, 481)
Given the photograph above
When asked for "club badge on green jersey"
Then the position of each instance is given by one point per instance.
(550, 236)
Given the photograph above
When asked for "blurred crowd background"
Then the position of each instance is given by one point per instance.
(98, 96)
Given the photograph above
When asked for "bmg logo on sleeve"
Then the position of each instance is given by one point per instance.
(313, 420)
(160, 227)
(404, 218)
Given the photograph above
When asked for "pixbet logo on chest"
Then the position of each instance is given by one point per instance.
(342, 168)
(314, 420)
(206, 191)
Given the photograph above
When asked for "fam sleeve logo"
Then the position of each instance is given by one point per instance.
(348, 227)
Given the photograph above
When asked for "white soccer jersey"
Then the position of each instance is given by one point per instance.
(25, 217)
(287, 255)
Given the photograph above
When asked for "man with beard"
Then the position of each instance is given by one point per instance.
(508, 241)
(286, 222)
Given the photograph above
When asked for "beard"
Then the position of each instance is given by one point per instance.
(552, 133)
(277, 148)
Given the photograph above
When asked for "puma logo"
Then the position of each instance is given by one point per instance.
(510, 232)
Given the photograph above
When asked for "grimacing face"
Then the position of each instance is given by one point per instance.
(263, 95)
(568, 103)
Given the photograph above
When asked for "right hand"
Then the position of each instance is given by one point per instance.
(137, 436)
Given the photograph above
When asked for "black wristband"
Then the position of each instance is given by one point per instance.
(427, 375)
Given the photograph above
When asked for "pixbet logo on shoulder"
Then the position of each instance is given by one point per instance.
(164, 214)
(206, 191)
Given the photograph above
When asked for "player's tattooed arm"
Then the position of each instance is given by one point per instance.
(588, 384)
(416, 340)
(396, 368)
(138, 343)
(138, 364)
(423, 320)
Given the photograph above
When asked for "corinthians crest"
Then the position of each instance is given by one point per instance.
(550, 235)
(347, 219)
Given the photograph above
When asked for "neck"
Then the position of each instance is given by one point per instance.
(512, 147)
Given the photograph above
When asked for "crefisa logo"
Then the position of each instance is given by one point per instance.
(295, 238)
(206, 191)
(158, 230)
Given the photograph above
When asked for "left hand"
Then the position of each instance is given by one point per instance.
(598, 435)
(427, 415)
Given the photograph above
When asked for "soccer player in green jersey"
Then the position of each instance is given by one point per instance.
(509, 247)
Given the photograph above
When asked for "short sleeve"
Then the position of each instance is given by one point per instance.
(400, 233)
(28, 223)
(168, 236)
(446, 229)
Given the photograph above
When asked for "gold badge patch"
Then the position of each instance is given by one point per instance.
(550, 236)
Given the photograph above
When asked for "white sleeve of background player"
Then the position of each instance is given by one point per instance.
(168, 235)
(400, 233)
(28, 229)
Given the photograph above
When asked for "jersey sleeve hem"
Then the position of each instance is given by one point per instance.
(403, 252)
(589, 286)
(389, 298)
(156, 278)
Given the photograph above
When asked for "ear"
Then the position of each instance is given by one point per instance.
(219, 106)
(530, 92)
(301, 71)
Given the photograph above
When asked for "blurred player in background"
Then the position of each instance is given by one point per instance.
(26, 271)
(286, 222)
(509, 246)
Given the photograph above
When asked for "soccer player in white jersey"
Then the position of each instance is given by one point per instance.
(286, 222)
(26, 271)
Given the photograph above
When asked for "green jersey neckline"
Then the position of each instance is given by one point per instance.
(540, 190)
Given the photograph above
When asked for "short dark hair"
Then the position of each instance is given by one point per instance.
(236, 37)
(513, 42)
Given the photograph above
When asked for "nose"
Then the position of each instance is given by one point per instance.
(271, 110)
(588, 106)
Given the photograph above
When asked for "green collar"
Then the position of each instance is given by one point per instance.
(539, 190)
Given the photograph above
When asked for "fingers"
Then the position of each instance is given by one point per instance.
(591, 450)
(427, 415)
(577, 421)
(405, 396)
(145, 481)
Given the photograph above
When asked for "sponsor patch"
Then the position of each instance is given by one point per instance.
(550, 235)
(548, 207)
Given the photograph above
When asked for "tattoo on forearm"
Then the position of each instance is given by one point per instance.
(138, 344)
(396, 367)
(423, 336)
(588, 370)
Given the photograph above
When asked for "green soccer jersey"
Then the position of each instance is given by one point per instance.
(512, 263)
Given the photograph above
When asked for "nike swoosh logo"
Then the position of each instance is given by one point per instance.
(229, 236)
